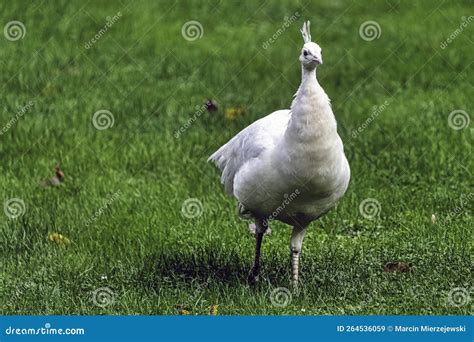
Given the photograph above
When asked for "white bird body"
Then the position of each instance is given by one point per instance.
(287, 151)
(289, 165)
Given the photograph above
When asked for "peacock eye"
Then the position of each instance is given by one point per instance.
(305, 53)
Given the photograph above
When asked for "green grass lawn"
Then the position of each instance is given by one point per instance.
(120, 205)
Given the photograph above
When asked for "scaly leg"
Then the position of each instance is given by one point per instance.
(261, 226)
(295, 247)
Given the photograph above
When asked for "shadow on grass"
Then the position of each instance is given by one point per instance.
(207, 265)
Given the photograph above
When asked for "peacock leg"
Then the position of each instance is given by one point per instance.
(295, 247)
(261, 225)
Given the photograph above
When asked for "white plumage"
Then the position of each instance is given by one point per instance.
(289, 165)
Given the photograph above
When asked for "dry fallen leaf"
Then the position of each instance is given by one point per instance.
(233, 112)
(211, 105)
(184, 312)
(397, 266)
(59, 239)
(49, 89)
(56, 180)
(214, 310)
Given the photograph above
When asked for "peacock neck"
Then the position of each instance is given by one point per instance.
(308, 76)
(311, 111)
(309, 83)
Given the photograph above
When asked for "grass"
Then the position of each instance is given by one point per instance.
(120, 203)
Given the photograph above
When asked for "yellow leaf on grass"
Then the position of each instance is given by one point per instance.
(233, 112)
(50, 89)
(59, 239)
(214, 310)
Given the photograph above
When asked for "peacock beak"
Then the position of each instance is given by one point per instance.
(317, 60)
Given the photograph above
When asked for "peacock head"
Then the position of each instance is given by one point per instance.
(311, 54)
